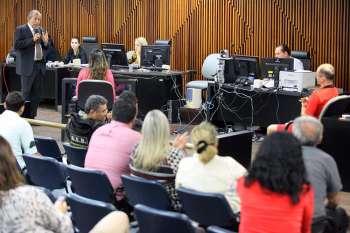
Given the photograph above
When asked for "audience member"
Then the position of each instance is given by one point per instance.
(98, 70)
(322, 172)
(154, 151)
(283, 51)
(24, 208)
(81, 125)
(76, 52)
(51, 53)
(134, 57)
(111, 144)
(314, 104)
(16, 130)
(275, 195)
(206, 171)
(115, 222)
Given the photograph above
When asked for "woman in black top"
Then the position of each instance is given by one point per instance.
(76, 52)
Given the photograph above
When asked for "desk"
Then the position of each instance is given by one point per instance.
(51, 88)
(231, 105)
(336, 143)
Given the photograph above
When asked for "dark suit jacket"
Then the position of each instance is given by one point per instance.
(82, 55)
(25, 48)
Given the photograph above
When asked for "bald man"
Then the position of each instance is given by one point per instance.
(30, 40)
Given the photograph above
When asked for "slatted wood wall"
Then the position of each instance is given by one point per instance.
(197, 27)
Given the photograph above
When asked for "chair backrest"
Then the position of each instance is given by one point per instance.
(75, 155)
(214, 210)
(336, 106)
(164, 174)
(89, 44)
(87, 212)
(45, 171)
(95, 87)
(48, 147)
(91, 183)
(152, 220)
(304, 57)
(147, 192)
(216, 229)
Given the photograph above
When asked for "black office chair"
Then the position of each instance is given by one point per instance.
(216, 229)
(304, 57)
(48, 147)
(214, 210)
(87, 212)
(91, 183)
(147, 192)
(94, 87)
(75, 155)
(336, 106)
(89, 44)
(46, 172)
(152, 220)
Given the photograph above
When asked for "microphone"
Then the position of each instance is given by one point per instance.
(38, 30)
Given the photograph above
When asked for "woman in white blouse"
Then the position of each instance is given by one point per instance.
(24, 208)
(206, 171)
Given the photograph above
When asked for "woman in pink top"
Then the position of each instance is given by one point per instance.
(275, 195)
(98, 70)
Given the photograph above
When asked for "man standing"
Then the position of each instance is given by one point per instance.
(30, 40)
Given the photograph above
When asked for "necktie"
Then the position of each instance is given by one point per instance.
(38, 52)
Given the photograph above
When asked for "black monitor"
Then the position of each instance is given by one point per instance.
(271, 67)
(115, 54)
(155, 55)
(241, 66)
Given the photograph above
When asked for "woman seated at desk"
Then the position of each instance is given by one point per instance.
(76, 52)
(98, 70)
(134, 57)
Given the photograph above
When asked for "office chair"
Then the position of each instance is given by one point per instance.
(336, 106)
(48, 147)
(91, 183)
(214, 210)
(147, 192)
(94, 87)
(75, 155)
(89, 44)
(152, 220)
(87, 212)
(303, 56)
(46, 172)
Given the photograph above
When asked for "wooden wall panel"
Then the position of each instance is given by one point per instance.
(197, 27)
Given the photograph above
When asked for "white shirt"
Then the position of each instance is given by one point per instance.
(298, 65)
(217, 176)
(18, 133)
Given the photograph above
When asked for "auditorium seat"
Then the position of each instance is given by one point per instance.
(147, 192)
(87, 212)
(214, 210)
(336, 106)
(48, 146)
(46, 172)
(91, 183)
(75, 155)
(152, 220)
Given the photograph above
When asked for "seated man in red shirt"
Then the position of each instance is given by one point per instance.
(314, 104)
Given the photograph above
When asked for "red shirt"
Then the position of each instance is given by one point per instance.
(318, 99)
(84, 75)
(263, 211)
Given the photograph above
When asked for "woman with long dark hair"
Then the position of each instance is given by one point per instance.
(275, 195)
(25, 208)
(98, 70)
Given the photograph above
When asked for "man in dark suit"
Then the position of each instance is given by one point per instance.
(30, 40)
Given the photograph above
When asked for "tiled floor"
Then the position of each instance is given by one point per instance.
(49, 114)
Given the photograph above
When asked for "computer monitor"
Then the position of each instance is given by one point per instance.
(271, 67)
(155, 55)
(241, 66)
(115, 54)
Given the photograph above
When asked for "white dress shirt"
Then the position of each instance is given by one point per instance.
(298, 65)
